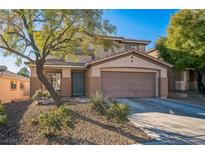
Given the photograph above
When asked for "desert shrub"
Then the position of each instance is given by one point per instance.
(34, 121)
(98, 103)
(67, 116)
(52, 122)
(118, 112)
(40, 94)
(2, 109)
(3, 117)
(3, 120)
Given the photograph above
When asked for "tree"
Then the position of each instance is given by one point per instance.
(184, 45)
(35, 34)
(24, 72)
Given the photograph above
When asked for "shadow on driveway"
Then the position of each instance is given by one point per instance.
(168, 122)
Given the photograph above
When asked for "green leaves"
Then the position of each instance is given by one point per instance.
(184, 46)
(3, 117)
(2, 109)
(54, 121)
(24, 72)
(56, 32)
(186, 32)
(98, 103)
(118, 112)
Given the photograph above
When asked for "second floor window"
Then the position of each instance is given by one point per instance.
(134, 47)
(55, 80)
(13, 85)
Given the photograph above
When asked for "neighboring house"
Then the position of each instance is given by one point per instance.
(13, 86)
(178, 80)
(122, 71)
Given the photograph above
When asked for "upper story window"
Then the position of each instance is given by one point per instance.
(89, 51)
(134, 47)
(21, 85)
(13, 85)
(55, 80)
(131, 47)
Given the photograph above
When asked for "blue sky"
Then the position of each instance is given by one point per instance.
(136, 24)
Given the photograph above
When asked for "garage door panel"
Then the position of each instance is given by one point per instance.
(128, 84)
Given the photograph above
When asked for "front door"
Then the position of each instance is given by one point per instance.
(77, 84)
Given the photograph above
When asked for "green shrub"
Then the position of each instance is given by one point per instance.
(118, 112)
(2, 109)
(98, 103)
(40, 94)
(54, 121)
(3, 120)
(67, 116)
(3, 117)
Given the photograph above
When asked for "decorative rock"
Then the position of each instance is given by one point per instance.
(75, 99)
(44, 101)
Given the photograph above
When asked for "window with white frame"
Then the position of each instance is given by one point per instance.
(13, 85)
(135, 47)
(55, 80)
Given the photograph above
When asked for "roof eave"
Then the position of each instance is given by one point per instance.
(132, 51)
(60, 66)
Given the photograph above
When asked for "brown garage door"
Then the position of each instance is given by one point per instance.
(128, 84)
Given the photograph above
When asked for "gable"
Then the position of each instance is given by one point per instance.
(138, 54)
(129, 61)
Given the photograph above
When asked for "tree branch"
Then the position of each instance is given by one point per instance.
(30, 35)
(17, 53)
(38, 15)
(47, 39)
(63, 41)
(5, 42)
(64, 31)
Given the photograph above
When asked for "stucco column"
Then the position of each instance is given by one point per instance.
(35, 83)
(93, 82)
(66, 82)
(163, 87)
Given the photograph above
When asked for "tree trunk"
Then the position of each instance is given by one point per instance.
(44, 80)
(200, 84)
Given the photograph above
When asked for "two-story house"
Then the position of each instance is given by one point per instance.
(124, 70)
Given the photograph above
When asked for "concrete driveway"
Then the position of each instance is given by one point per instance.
(168, 121)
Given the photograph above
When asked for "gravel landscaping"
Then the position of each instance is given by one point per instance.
(90, 127)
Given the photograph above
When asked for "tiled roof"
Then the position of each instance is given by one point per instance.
(14, 75)
(151, 50)
(123, 39)
(61, 62)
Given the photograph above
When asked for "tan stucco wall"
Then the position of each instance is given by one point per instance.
(179, 80)
(66, 87)
(118, 47)
(129, 61)
(35, 84)
(6, 94)
(65, 80)
(92, 84)
(100, 53)
(154, 54)
(163, 87)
